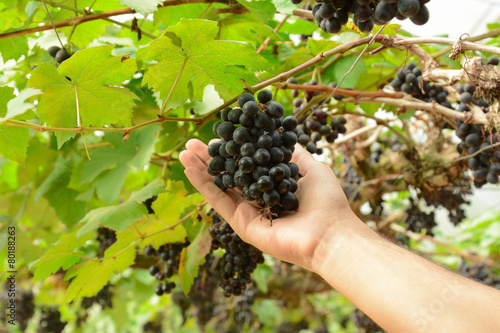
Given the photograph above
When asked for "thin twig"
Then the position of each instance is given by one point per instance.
(53, 25)
(264, 44)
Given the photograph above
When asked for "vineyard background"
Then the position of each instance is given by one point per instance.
(89, 187)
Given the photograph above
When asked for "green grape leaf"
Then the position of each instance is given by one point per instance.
(170, 15)
(56, 189)
(119, 217)
(144, 7)
(59, 256)
(318, 46)
(264, 9)
(134, 152)
(18, 105)
(168, 209)
(192, 257)
(86, 33)
(285, 6)
(13, 140)
(335, 72)
(13, 47)
(94, 76)
(244, 28)
(188, 59)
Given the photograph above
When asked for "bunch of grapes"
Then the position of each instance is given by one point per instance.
(60, 55)
(50, 320)
(106, 237)
(410, 80)
(314, 127)
(239, 260)
(480, 272)
(475, 137)
(451, 200)
(254, 153)
(243, 312)
(103, 298)
(25, 305)
(168, 256)
(417, 220)
(331, 15)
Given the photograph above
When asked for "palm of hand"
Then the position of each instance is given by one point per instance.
(293, 237)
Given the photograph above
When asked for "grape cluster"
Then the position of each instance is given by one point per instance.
(417, 220)
(314, 127)
(106, 237)
(103, 298)
(25, 305)
(239, 259)
(168, 256)
(254, 153)
(480, 272)
(410, 80)
(50, 320)
(451, 200)
(331, 15)
(243, 312)
(59, 54)
(486, 164)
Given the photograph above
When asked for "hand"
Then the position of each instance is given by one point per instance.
(293, 237)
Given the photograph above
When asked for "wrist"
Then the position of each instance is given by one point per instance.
(339, 235)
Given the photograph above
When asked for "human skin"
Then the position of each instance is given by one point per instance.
(401, 291)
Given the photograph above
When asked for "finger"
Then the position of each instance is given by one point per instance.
(190, 159)
(213, 141)
(200, 149)
(304, 159)
(224, 203)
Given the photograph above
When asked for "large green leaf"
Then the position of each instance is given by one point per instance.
(188, 59)
(61, 255)
(18, 105)
(285, 6)
(13, 47)
(192, 257)
(119, 217)
(263, 9)
(13, 140)
(92, 74)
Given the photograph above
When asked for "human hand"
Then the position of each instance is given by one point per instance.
(293, 237)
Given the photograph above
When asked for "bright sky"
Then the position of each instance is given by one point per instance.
(456, 17)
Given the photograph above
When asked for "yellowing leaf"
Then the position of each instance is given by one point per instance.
(91, 276)
(192, 257)
(61, 255)
(119, 217)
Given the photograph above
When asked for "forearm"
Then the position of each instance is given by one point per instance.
(401, 291)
